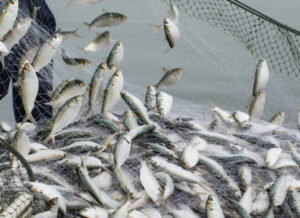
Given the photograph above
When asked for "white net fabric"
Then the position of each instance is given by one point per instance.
(230, 146)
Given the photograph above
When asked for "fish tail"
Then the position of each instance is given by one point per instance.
(156, 28)
(70, 3)
(156, 86)
(50, 137)
(76, 34)
(89, 26)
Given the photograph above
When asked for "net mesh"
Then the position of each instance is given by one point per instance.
(186, 123)
(264, 37)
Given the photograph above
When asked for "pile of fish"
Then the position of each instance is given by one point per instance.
(91, 161)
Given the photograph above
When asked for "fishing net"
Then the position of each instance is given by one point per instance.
(263, 36)
(231, 146)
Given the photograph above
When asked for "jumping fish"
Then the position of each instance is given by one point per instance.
(95, 87)
(29, 86)
(107, 19)
(67, 34)
(47, 51)
(169, 78)
(8, 15)
(74, 62)
(257, 105)
(171, 32)
(261, 77)
(101, 41)
(278, 118)
(116, 55)
(65, 115)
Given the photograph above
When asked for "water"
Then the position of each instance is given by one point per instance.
(215, 67)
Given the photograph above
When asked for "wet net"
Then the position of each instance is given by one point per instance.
(145, 165)
(263, 36)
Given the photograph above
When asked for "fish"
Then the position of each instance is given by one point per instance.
(122, 211)
(136, 106)
(168, 184)
(150, 99)
(45, 155)
(74, 62)
(164, 103)
(126, 181)
(169, 78)
(213, 207)
(112, 93)
(107, 19)
(95, 87)
(247, 199)
(47, 51)
(278, 118)
(245, 175)
(58, 89)
(261, 77)
(129, 120)
(94, 211)
(21, 142)
(3, 52)
(8, 16)
(67, 34)
(17, 32)
(68, 90)
(29, 86)
(257, 105)
(171, 32)
(18, 206)
(48, 193)
(272, 156)
(65, 115)
(173, 14)
(101, 41)
(189, 156)
(82, 2)
(150, 184)
(240, 117)
(279, 190)
(116, 55)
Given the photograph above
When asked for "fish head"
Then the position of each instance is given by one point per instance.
(123, 17)
(118, 45)
(12, 2)
(56, 39)
(103, 66)
(209, 202)
(112, 68)
(106, 34)
(118, 74)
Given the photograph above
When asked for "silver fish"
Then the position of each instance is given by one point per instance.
(107, 19)
(17, 32)
(171, 32)
(58, 89)
(150, 99)
(170, 77)
(164, 102)
(261, 77)
(101, 41)
(116, 55)
(129, 120)
(74, 62)
(95, 87)
(112, 92)
(213, 208)
(47, 51)
(278, 118)
(65, 115)
(29, 86)
(94, 211)
(8, 15)
(69, 90)
(67, 34)
(257, 105)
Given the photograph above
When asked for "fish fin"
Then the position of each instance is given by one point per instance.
(70, 3)
(104, 11)
(156, 28)
(164, 69)
(89, 26)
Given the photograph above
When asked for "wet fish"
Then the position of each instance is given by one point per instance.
(58, 89)
(164, 103)
(29, 86)
(129, 121)
(240, 117)
(150, 99)
(95, 87)
(190, 156)
(116, 55)
(112, 93)
(94, 211)
(17, 32)
(68, 90)
(213, 208)
(261, 77)
(107, 19)
(47, 51)
(169, 78)
(8, 15)
(65, 115)
(257, 105)
(67, 34)
(278, 118)
(171, 32)
(279, 190)
(245, 175)
(101, 41)
(74, 62)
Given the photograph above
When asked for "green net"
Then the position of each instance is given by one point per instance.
(261, 35)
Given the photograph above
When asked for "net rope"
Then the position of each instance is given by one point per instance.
(263, 36)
